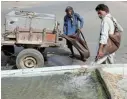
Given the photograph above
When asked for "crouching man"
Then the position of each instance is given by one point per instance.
(71, 20)
(109, 26)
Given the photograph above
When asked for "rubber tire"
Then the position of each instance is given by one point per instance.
(44, 53)
(30, 52)
(8, 50)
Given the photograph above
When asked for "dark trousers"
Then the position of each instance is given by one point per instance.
(70, 46)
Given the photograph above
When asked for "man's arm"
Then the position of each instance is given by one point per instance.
(103, 38)
(81, 20)
(65, 26)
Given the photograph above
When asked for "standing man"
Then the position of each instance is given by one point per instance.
(107, 27)
(71, 25)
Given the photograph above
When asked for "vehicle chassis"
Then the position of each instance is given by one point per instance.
(33, 40)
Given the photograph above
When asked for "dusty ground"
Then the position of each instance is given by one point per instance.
(59, 56)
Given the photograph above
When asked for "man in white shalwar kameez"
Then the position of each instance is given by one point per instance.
(107, 27)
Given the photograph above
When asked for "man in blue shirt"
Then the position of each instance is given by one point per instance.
(71, 25)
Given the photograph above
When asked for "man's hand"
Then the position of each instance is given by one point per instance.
(79, 30)
(100, 53)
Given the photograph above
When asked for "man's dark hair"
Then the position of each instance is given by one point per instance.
(68, 8)
(102, 7)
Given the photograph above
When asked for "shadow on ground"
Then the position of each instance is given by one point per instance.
(55, 57)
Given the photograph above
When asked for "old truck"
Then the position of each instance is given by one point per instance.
(32, 31)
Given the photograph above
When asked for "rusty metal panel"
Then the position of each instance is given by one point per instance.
(50, 37)
(31, 28)
(12, 42)
(29, 20)
(37, 23)
(12, 21)
(29, 38)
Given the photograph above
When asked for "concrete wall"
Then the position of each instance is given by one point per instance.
(115, 79)
(65, 82)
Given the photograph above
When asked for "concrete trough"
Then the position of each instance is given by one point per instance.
(115, 80)
(65, 82)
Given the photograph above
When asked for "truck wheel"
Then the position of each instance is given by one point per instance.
(8, 50)
(29, 58)
(44, 53)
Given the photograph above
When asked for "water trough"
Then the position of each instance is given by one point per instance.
(66, 82)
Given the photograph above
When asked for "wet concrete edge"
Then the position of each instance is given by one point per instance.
(103, 84)
(110, 94)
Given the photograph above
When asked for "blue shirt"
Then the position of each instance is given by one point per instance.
(71, 24)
